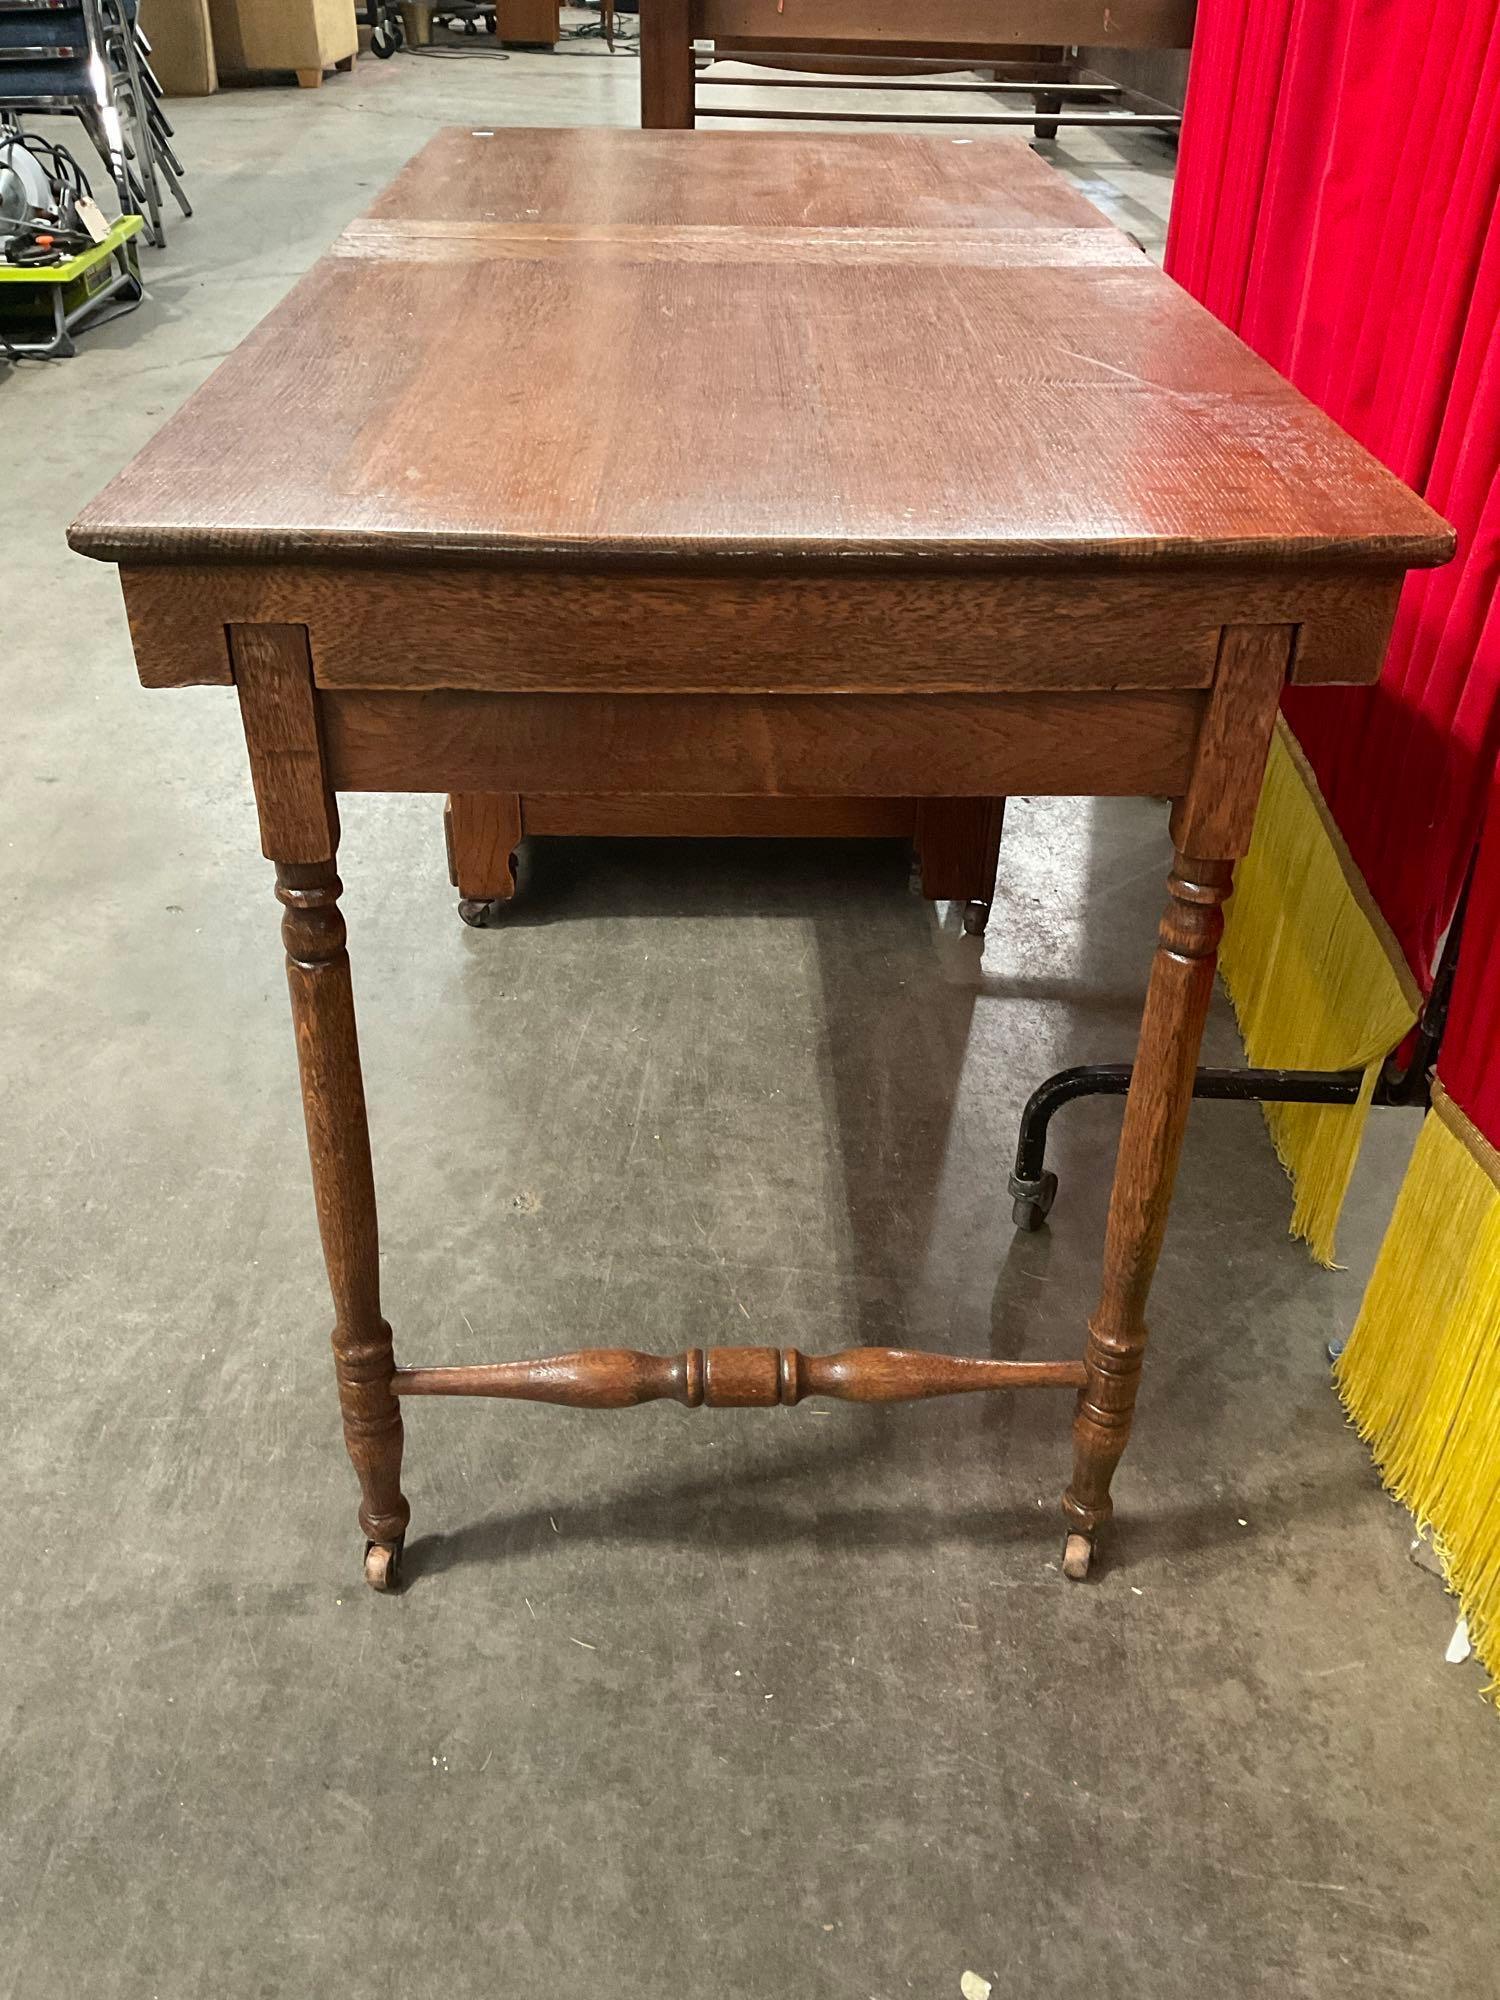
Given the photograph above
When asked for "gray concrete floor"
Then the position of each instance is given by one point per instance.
(787, 1704)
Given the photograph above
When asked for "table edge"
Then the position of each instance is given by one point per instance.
(103, 541)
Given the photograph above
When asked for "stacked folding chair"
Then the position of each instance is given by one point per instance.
(88, 59)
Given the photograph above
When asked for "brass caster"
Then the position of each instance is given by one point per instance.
(976, 916)
(1078, 1553)
(383, 1565)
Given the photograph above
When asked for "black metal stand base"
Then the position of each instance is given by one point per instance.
(1033, 1188)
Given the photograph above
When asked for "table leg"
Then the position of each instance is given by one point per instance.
(1210, 827)
(958, 844)
(299, 833)
(483, 831)
(667, 74)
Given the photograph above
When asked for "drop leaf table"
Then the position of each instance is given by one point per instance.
(772, 493)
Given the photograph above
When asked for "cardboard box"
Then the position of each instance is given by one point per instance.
(182, 48)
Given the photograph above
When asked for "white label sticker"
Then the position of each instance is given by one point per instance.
(91, 215)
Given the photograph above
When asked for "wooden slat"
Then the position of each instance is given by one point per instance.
(789, 746)
(679, 817)
(1124, 24)
(376, 240)
(555, 630)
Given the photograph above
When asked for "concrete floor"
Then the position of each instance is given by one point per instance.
(785, 1704)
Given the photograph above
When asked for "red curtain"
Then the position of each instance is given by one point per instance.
(1470, 1058)
(1336, 205)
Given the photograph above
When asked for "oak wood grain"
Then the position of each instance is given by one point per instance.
(679, 816)
(278, 709)
(373, 240)
(790, 746)
(300, 834)
(1217, 815)
(557, 629)
(483, 832)
(884, 406)
(1229, 759)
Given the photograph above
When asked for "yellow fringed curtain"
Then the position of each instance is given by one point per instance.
(1420, 1373)
(1316, 979)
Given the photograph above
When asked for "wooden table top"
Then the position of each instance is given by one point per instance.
(703, 348)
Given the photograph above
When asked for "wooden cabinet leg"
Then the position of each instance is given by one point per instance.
(1210, 829)
(667, 75)
(309, 79)
(958, 843)
(299, 832)
(483, 831)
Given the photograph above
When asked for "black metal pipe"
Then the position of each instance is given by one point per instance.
(1238, 1086)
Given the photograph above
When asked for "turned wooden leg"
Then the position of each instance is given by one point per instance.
(483, 831)
(299, 832)
(1156, 1110)
(338, 1141)
(958, 844)
(1210, 827)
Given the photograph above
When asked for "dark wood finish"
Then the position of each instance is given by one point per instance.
(774, 746)
(1111, 608)
(616, 1378)
(958, 843)
(666, 63)
(299, 832)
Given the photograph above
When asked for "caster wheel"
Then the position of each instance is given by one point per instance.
(1078, 1553)
(1033, 1200)
(976, 916)
(382, 1565)
(382, 42)
(481, 916)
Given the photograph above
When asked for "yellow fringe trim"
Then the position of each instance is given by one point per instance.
(1420, 1374)
(1317, 981)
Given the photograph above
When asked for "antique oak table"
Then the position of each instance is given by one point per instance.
(769, 506)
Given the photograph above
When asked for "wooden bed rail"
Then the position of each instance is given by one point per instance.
(614, 1378)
